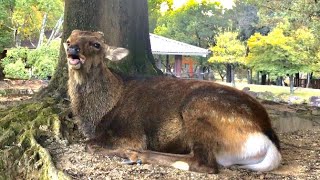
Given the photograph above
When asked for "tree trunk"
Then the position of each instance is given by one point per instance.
(229, 76)
(291, 83)
(201, 72)
(232, 76)
(3, 54)
(249, 76)
(296, 80)
(308, 80)
(124, 24)
(43, 25)
(55, 30)
(264, 79)
(280, 81)
(168, 68)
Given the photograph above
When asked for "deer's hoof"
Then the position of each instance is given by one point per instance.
(130, 162)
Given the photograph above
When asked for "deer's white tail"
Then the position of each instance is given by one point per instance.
(258, 153)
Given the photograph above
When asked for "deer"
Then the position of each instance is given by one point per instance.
(190, 125)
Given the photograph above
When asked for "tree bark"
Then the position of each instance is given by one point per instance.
(124, 24)
(229, 70)
(3, 54)
(249, 76)
(264, 79)
(233, 82)
(291, 83)
(280, 81)
(43, 26)
(55, 30)
(308, 80)
(258, 77)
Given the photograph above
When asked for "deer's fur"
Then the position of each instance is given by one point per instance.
(187, 124)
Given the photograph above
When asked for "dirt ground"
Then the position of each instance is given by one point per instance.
(300, 152)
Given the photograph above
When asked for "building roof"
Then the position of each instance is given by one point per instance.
(165, 46)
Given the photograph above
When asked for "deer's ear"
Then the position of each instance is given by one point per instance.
(116, 53)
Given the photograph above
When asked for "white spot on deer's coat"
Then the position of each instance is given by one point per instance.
(181, 165)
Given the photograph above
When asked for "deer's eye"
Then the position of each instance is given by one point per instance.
(97, 45)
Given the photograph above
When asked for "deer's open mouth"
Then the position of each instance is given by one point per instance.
(75, 61)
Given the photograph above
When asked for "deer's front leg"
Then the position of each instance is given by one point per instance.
(119, 147)
(179, 161)
(123, 153)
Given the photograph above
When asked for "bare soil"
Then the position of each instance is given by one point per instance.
(300, 151)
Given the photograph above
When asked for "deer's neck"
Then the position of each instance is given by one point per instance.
(94, 94)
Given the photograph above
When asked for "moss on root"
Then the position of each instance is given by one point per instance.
(22, 128)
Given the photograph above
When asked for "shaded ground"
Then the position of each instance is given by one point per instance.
(12, 91)
(300, 151)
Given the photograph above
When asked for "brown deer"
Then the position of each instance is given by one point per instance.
(187, 124)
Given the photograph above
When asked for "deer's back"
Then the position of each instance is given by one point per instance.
(155, 107)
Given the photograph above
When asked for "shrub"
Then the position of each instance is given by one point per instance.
(42, 61)
(16, 70)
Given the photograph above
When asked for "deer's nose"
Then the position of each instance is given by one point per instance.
(73, 50)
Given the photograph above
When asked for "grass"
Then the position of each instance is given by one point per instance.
(281, 92)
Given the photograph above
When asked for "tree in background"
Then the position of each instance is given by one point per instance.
(282, 53)
(27, 19)
(6, 31)
(229, 51)
(244, 19)
(154, 11)
(298, 12)
(195, 23)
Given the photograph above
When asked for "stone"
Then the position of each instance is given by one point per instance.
(315, 101)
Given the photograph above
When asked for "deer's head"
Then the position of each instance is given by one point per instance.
(87, 49)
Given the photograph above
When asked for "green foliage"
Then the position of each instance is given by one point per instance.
(42, 61)
(14, 63)
(6, 33)
(28, 14)
(21, 19)
(16, 70)
(195, 23)
(154, 8)
(298, 12)
(281, 52)
(228, 50)
(244, 18)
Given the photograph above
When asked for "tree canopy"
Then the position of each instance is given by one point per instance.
(229, 49)
(282, 53)
(22, 19)
(195, 23)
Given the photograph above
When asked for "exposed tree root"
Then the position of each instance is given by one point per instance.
(22, 131)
